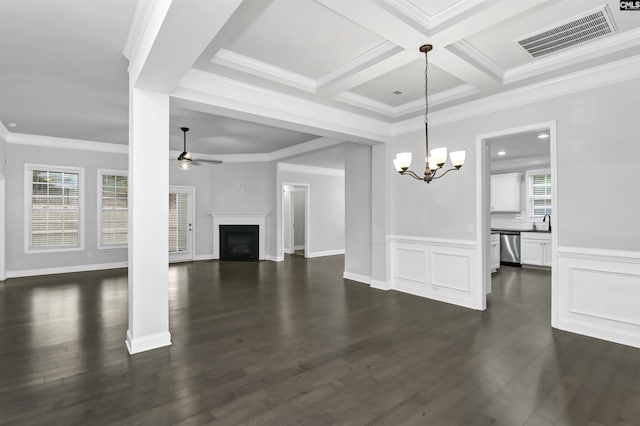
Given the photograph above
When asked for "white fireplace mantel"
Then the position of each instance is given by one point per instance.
(259, 219)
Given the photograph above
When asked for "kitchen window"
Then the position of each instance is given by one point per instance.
(539, 193)
(53, 207)
(113, 211)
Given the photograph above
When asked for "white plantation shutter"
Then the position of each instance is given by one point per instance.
(539, 194)
(113, 209)
(178, 222)
(55, 209)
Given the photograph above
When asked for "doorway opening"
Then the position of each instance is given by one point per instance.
(516, 189)
(181, 202)
(295, 219)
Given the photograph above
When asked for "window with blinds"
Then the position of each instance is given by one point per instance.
(55, 213)
(539, 193)
(178, 222)
(113, 211)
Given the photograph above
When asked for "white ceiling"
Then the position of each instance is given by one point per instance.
(330, 158)
(62, 72)
(520, 146)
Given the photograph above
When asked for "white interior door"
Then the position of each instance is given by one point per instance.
(181, 223)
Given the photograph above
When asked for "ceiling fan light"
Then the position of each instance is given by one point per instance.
(184, 164)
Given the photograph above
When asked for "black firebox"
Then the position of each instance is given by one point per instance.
(239, 242)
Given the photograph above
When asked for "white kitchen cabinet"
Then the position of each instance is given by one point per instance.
(495, 252)
(505, 192)
(535, 248)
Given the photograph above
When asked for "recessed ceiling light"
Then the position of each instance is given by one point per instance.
(502, 153)
(543, 135)
(12, 124)
(397, 92)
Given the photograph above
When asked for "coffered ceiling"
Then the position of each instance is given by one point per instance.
(355, 61)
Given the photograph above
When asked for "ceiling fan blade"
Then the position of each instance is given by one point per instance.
(210, 161)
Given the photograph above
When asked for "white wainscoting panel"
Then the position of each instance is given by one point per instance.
(599, 294)
(436, 269)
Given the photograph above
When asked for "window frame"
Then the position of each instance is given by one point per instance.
(28, 206)
(529, 188)
(100, 174)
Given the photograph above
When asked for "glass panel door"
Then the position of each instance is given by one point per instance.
(180, 224)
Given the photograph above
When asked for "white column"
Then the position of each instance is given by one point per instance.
(380, 216)
(148, 221)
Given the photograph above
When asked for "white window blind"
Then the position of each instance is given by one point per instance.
(55, 209)
(539, 194)
(114, 216)
(178, 222)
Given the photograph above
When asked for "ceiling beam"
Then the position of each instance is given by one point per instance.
(157, 58)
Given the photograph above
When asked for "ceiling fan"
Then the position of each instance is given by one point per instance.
(185, 159)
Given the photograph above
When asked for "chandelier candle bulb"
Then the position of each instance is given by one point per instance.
(457, 158)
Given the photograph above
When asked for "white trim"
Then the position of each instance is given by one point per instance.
(444, 242)
(66, 269)
(298, 247)
(381, 285)
(483, 236)
(3, 229)
(599, 254)
(274, 258)
(64, 143)
(301, 148)
(379, 53)
(259, 219)
(467, 49)
(100, 173)
(427, 21)
(280, 215)
(146, 343)
(4, 132)
(600, 332)
(323, 253)
(261, 69)
(200, 257)
(300, 168)
(27, 194)
(610, 73)
(365, 279)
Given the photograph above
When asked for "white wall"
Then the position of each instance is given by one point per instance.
(326, 212)
(20, 263)
(358, 191)
(597, 158)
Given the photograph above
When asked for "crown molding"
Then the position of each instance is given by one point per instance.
(303, 148)
(377, 54)
(300, 168)
(252, 66)
(464, 48)
(136, 30)
(603, 75)
(367, 103)
(54, 142)
(595, 49)
(426, 21)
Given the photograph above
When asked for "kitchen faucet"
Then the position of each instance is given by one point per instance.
(544, 219)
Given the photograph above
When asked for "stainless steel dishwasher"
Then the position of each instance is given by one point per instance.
(510, 247)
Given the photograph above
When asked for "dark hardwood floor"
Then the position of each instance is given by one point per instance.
(294, 344)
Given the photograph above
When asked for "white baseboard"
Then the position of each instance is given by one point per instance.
(146, 343)
(298, 247)
(381, 285)
(203, 257)
(356, 277)
(274, 258)
(604, 333)
(65, 269)
(324, 253)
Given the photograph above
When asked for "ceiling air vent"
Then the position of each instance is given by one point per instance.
(594, 24)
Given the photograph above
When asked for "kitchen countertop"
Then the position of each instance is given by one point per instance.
(497, 230)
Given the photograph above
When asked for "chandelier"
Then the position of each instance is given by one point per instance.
(437, 158)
